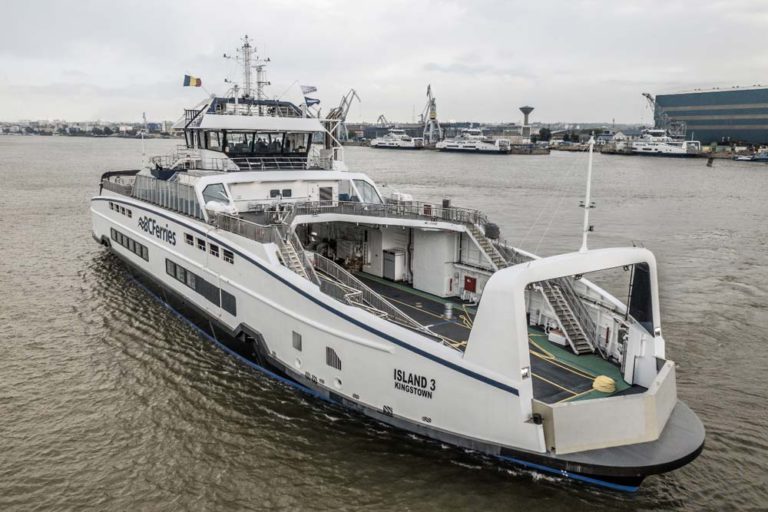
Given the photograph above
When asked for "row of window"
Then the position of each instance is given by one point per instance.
(130, 244)
(226, 255)
(214, 294)
(120, 209)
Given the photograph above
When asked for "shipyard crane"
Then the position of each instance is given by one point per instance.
(339, 114)
(383, 122)
(432, 130)
(661, 119)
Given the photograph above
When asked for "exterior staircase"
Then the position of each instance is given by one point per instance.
(568, 320)
(494, 256)
(291, 259)
(293, 255)
(572, 315)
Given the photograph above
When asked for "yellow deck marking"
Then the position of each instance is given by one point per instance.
(562, 364)
(553, 383)
(575, 396)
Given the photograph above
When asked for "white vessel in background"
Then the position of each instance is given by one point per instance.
(412, 313)
(472, 140)
(397, 139)
(657, 142)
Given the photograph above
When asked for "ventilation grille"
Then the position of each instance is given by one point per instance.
(332, 359)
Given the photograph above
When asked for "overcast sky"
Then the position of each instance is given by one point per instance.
(574, 60)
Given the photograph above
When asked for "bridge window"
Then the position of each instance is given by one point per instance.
(366, 192)
(215, 192)
(239, 143)
(213, 141)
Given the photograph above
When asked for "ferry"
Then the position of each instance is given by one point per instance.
(397, 139)
(659, 143)
(472, 140)
(415, 314)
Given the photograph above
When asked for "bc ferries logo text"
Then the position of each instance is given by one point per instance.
(414, 384)
(152, 227)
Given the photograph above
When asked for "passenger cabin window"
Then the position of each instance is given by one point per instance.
(215, 192)
(367, 193)
(286, 192)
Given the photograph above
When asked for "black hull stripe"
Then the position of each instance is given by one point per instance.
(388, 337)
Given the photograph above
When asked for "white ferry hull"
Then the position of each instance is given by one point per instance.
(386, 371)
(474, 147)
(396, 145)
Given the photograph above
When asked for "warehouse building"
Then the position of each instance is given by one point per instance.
(721, 116)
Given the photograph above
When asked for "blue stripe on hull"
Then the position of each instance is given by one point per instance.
(304, 389)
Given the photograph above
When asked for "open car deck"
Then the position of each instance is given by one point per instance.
(558, 374)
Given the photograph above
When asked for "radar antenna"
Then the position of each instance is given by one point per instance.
(246, 55)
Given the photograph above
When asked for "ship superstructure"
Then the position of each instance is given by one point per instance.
(472, 140)
(413, 313)
(397, 138)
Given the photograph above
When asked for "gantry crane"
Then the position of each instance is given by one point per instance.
(339, 114)
(432, 130)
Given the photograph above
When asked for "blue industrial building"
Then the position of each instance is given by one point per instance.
(722, 116)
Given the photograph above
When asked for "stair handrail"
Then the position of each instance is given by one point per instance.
(579, 310)
(493, 247)
(374, 299)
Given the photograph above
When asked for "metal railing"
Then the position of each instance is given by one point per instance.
(579, 310)
(244, 228)
(369, 296)
(260, 163)
(172, 195)
(410, 210)
(119, 188)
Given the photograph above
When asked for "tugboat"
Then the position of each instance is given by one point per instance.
(397, 139)
(412, 313)
(472, 140)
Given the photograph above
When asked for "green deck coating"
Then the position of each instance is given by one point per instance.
(589, 363)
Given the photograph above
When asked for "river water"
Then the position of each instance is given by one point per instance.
(108, 401)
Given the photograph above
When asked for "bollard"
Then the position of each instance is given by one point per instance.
(448, 311)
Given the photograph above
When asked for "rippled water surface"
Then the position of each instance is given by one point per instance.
(108, 401)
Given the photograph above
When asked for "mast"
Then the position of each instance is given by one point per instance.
(587, 204)
(247, 56)
(246, 52)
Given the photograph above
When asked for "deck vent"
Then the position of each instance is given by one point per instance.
(296, 341)
(332, 359)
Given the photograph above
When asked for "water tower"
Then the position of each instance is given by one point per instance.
(526, 131)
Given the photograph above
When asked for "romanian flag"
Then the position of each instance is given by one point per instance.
(191, 81)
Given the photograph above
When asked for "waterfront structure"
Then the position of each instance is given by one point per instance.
(258, 233)
(738, 115)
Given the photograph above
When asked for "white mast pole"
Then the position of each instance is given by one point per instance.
(247, 67)
(587, 199)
